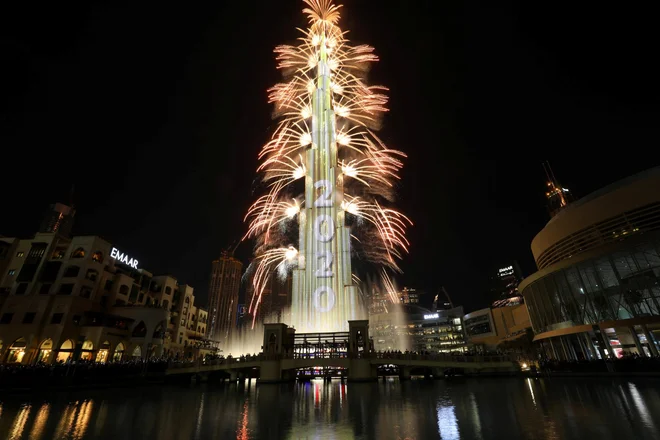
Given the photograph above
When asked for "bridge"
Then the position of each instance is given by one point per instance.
(347, 354)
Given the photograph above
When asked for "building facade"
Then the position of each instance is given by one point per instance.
(223, 297)
(275, 303)
(414, 328)
(487, 329)
(68, 298)
(409, 296)
(597, 291)
(504, 287)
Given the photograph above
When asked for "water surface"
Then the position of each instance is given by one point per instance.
(454, 409)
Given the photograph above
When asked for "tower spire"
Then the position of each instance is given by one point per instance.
(558, 197)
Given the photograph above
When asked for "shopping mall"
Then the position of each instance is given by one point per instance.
(596, 293)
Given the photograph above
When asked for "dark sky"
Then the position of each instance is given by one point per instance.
(156, 113)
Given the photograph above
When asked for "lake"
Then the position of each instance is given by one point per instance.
(456, 408)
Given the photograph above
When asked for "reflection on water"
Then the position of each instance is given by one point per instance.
(453, 409)
(447, 423)
(40, 422)
(19, 422)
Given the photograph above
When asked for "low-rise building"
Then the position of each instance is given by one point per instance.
(67, 298)
(414, 328)
(487, 329)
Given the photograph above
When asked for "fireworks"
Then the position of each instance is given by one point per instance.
(327, 114)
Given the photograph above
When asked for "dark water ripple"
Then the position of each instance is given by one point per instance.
(456, 409)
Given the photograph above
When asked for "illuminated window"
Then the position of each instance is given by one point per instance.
(12, 272)
(59, 254)
(78, 253)
(97, 256)
(20, 254)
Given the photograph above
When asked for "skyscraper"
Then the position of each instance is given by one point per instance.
(59, 219)
(223, 296)
(558, 197)
(504, 286)
(325, 146)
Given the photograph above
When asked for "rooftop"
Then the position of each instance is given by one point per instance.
(655, 171)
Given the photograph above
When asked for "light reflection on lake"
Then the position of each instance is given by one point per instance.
(453, 409)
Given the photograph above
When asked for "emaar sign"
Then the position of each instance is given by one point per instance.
(123, 258)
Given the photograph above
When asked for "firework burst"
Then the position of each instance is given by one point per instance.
(324, 137)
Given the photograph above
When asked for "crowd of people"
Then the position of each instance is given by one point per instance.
(628, 363)
(423, 354)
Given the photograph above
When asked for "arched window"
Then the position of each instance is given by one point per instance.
(78, 253)
(98, 256)
(159, 332)
(187, 301)
(119, 352)
(137, 352)
(87, 350)
(102, 355)
(17, 351)
(45, 348)
(168, 290)
(140, 330)
(66, 351)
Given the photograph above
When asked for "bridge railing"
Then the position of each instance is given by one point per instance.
(237, 361)
(220, 361)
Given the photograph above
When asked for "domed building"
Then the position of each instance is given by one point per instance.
(597, 293)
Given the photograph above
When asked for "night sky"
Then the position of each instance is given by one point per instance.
(155, 114)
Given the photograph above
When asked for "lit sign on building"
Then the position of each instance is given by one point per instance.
(505, 271)
(432, 316)
(123, 258)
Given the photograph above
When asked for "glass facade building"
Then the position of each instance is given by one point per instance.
(620, 285)
(414, 328)
(597, 291)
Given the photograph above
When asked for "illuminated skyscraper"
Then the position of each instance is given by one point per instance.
(59, 219)
(326, 140)
(558, 197)
(223, 297)
(504, 286)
